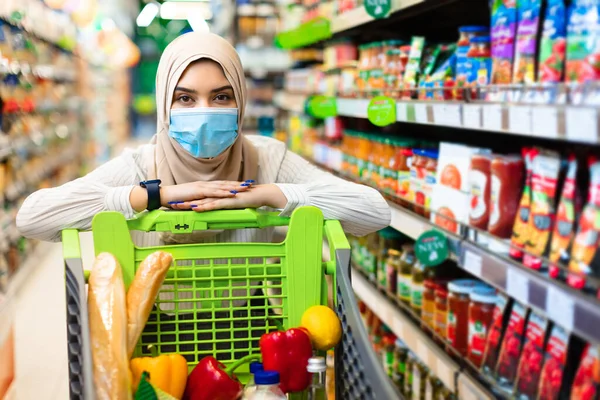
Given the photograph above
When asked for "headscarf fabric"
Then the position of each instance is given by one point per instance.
(172, 164)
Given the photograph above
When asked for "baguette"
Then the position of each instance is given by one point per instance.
(108, 330)
(142, 294)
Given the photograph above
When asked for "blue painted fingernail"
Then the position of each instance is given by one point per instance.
(176, 202)
(194, 205)
(250, 181)
(233, 191)
(245, 184)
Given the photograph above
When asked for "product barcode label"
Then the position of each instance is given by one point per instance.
(545, 122)
(472, 262)
(517, 285)
(472, 116)
(582, 124)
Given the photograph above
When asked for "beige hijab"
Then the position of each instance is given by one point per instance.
(174, 165)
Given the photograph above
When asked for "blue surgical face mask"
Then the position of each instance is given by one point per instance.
(204, 132)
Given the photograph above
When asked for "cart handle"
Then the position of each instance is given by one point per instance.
(189, 221)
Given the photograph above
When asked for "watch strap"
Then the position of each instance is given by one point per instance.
(153, 189)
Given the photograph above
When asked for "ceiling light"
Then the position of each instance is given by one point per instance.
(199, 24)
(182, 10)
(147, 15)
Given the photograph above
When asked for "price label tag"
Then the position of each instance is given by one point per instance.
(517, 285)
(582, 124)
(472, 116)
(519, 119)
(423, 352)
(545, 122)
(445, 373)
(492, 117)
(421, 113)
(473, 263)
(402, 112)
(446, 114)
(560, 307)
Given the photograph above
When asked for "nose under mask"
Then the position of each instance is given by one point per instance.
(204, 132)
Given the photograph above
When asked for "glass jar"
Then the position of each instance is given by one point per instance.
(434, 384)
(391, 71)
(389, 238)
(400, 355)
(428, 308)
(417, 179)
(416, 289)
(376, 82)
(419, 383)
(392, 267)
(388, 351)
(402, 163)
(387, 153)
(407, 261)
(440, 318)
(481, 310)
(458, 314)
(411, 359)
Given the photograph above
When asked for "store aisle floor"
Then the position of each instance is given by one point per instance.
(40, 325)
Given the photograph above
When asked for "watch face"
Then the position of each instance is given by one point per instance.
(153, 181)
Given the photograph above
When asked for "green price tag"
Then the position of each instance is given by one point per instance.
(321, 106)
(382, 111)
(378, 8)
(431, 248)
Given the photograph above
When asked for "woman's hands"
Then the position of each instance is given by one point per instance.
(171, 196)
(251, 197)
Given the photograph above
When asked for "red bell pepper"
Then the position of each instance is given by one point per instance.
(288, 353)
(210, 380)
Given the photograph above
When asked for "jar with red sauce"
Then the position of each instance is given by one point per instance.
(507, 176)
(458, 314)
(479, 188)
(481, 311)
(418, 172)
(440, 317)
(428, 303)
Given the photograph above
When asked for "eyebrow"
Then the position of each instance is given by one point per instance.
(186, 90)
(226, 87)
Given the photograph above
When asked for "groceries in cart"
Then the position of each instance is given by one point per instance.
(118, 317)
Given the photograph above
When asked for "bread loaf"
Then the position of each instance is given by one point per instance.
(142, 293)
(108, 329)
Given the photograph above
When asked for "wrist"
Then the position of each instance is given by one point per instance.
(165, 196)
(273, 196)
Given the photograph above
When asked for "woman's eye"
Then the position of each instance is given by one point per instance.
(185, 99)
(222, 97)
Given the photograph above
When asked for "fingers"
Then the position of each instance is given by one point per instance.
(215, 204)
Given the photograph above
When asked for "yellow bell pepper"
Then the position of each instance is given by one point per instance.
(167, 372)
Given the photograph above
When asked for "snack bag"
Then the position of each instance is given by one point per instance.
(442, 78)
(555, 360)
(564, 226)
(411, 73)
(528, 12)
(494, 337)
(586, 240)
(544, 186)
(587, 378)
(583, 42)
(520, 232)
(512, 344)
(503, 31)
(553, 44)
(530, 365)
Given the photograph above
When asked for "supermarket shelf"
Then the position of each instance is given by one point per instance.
(290, 102)
(425, 348)
(359, 16)
(570, 308)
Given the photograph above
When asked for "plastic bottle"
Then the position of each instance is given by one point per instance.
(317, 367)
(267, 387)
(251, 385)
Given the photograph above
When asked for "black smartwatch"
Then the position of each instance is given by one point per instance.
(153, 189)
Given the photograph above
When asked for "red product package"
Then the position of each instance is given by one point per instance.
(542, 210)
(506, 370)
(586, 240)
(587, 378)
(554, 364)
(494, 337)
(564, 226)
(520, 230)
(530, 365)
(507, 183)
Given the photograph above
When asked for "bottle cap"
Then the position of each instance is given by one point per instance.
(255, 367)
(266, 378)
(316, 364)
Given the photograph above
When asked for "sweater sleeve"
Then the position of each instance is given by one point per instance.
(45, 213)
(359, 208)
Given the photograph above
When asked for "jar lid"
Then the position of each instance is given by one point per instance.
(462, 286)
(431, 154)
(473, 29)
(480, 39)
(316, 364)
(393, 252)
(419, 152)
(483, 295)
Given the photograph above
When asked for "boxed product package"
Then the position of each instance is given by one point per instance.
(503, 32)
(530, 364)
(555, 360)
(449, 208)
(454, 165)
(544, 192)
(587, 239)
(587, 379)
(583, 52)
(512, 344)
(495, 334)
(553, 43)
(528, 15)
(520, 233)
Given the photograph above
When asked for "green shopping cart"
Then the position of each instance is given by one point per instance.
(217, 297)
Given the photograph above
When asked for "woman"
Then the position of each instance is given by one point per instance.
(203, 160)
